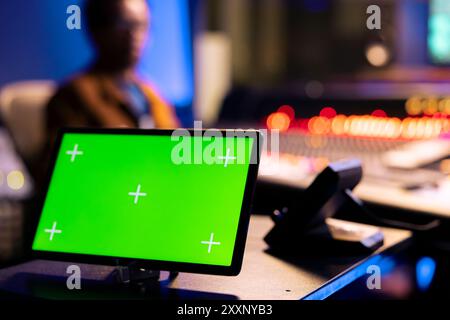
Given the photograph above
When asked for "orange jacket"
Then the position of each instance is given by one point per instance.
(92, 100)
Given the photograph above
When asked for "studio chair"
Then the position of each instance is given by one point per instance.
(22, 112)
(22, 107)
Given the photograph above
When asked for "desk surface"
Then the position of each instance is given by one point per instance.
(263, 276)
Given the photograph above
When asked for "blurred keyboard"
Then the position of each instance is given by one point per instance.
(397, 173)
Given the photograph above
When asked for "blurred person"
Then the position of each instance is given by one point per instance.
(109, 93)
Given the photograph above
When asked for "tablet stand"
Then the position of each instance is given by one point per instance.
(132, 274)
(304, 226)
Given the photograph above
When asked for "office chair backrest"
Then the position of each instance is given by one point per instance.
(22, 107)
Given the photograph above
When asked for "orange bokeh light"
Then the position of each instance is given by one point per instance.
(278, 121)
(376, 125)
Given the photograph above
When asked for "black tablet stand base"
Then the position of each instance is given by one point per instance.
(305, 226)
(131, 275)
(334, 237)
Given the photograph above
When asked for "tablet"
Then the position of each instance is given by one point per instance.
(161, 199)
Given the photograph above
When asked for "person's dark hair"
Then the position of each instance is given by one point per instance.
(100, 14)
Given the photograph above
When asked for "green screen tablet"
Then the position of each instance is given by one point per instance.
(172, 200)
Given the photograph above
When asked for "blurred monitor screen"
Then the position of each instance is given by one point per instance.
(439, 31)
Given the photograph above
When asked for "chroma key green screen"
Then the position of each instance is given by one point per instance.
(124, 196)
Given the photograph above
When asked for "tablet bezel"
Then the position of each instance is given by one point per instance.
(241, 234)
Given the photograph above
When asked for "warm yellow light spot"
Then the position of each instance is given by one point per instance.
(338, 124)
(15, 180)
(278, 120)
(319, 125)
(393, 128)
(431, 106)
(378, 55)
(413, 106)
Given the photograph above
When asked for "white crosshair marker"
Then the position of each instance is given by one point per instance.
(137, 194)
(52, 231)
(211, 242)
(227, 158)
(73, 153)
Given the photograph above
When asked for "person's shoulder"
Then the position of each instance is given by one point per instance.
(77, 79)
(68, 90)
(73, 85)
